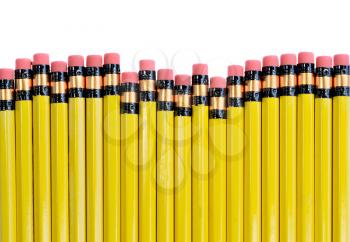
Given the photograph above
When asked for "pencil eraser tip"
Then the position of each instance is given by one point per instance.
(41, 59)
(252, 65)
(217, 82)
(341, 60)
(58, 66)
(235, 70)
(288, 60)
(199, 69)
(111, 58)
(23, 64)
(75, 60)
(165, 74)
(324, 61)
(147, 65)
(94, 61)
(270, 60)
(183, 80)
(129, 77)
(6, 74)
(306, 57)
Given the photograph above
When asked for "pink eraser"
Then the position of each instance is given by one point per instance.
(129, 77)
(288, 60)
(235, 70)
(341, 60)
(75, 60)
(6, 74)
(324, 61)
(147, 65)
(252, 65)
(58, 66)
(199, 69)
(217, 82)
(111, 58)
(183, 80)
(41, 59)
(94, 61)
(306, 57)
(23, 64)
(165, 74)
(270, 60)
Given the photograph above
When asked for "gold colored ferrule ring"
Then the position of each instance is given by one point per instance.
(217, 103)
(288, 80)
(147, 85)
(306, 79)
(200, 90)
(94, 82)
(165, 95)
(342, 81)
(271, 81)
(24, 84)
(235, 91)
(6, 94)
(253, 86)
(59, 87)
(129, 97)
(183, 101)
(324, 82)
(41, 80)
(111, 80)
(76, 82)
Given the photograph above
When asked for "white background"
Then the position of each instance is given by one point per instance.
(174, 33)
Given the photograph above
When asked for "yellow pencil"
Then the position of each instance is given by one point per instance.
(24, 152)
(129, 157)
(217, 160)
(323, 149)
(94, 148)
(183, 112)
(235, 151)
(147, 152)
(288, 147)
(341, 149)
(200, 155)
(59, 152)
(270, 150)
(76, 151)
(41, 148)
(165, 156)
(305, 148)
(111, 141)
(252, 152)
(7, 157)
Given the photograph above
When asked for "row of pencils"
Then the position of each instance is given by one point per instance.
(90, 155)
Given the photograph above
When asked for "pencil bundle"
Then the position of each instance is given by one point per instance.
(89, 155)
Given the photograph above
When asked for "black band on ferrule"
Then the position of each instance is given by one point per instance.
(41, 69)
(147, 75)
(288, 91)
(270, 92)
(183, 90)
(59, 98)
(270, 70)
(288, 70)
(235, 102)
(58, 77)
(181, 111)
(341, 70)
(342, 91)
(235, 80)
(306, 68)
(41, 91)
(111, 90)
(200, 80)
(76, 93)
(94, 71)
(130, 87)
(7, 84)
(324, 71)
(324, 93)
(252, 96)
(252, 75)
(306, 89)
(6, 105)
(93, 93)
(200, 100)
(217, 92)
(129, 108)
(24, 74)
(165, 84)
(23, 95)
(148, 96)
(111, 69)
(165, 106)
(217, 114)
(76, 71)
